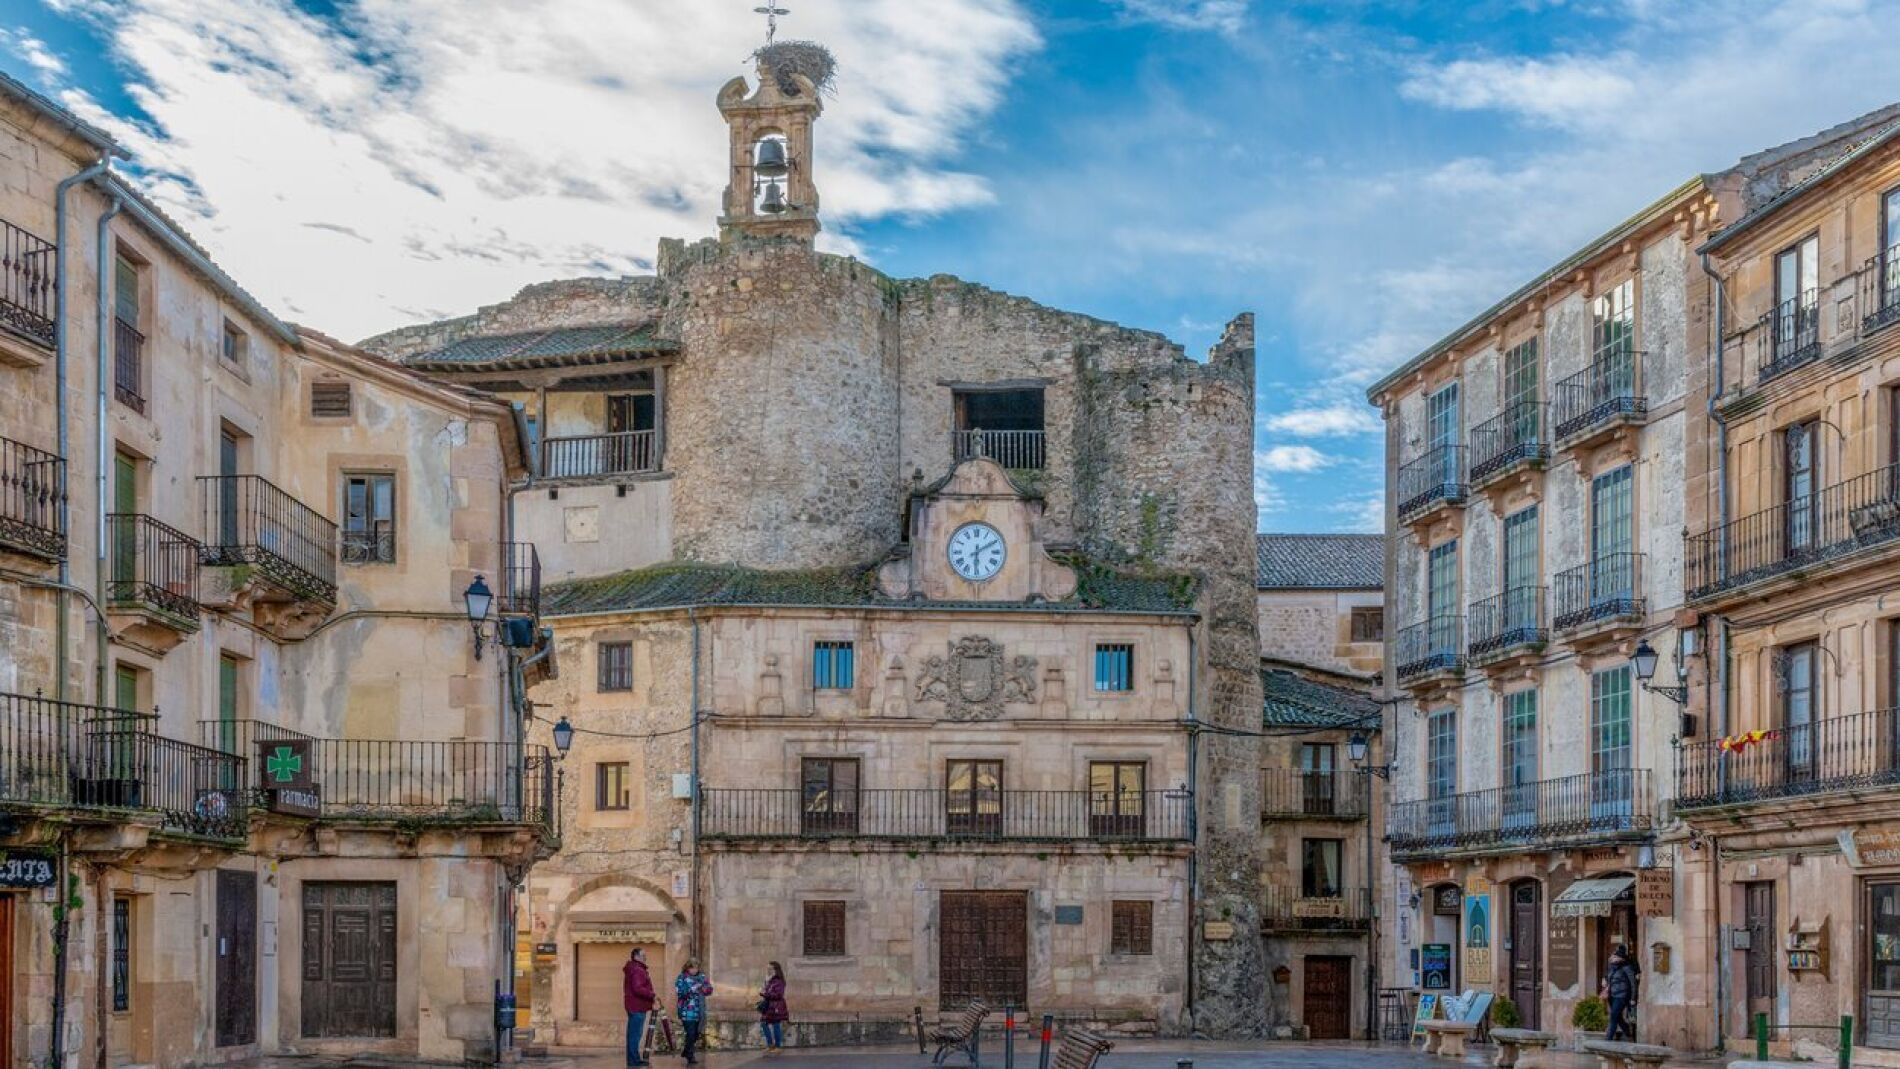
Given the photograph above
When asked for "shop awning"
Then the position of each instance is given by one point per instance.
(1594, 898)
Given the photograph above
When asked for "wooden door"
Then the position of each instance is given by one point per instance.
(1327, 1004)
(1527, 951)
(227, 490)
(237, 958)
(983, 948)
(349, 959)
(1758, 961)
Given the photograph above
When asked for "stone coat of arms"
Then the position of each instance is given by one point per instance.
(975, 680)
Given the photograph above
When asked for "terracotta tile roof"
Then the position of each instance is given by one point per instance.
(1319, 562)
(1290, 700)
(546, 348)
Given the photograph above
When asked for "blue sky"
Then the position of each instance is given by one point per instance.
(1364, 176)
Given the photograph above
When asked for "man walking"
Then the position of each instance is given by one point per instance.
(636, 990)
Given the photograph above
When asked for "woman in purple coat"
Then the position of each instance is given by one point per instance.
(773, 1012)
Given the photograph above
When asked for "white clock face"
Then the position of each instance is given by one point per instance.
(977, 551)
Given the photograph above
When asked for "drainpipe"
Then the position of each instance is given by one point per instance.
(1716, 686)
(697, 942)
(99, 414)
(61, 239)
(1194, 830)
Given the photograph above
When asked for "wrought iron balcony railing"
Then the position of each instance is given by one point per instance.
(128, 365)
(1571, 809)
(32, 500)
(1823, 526)
(1834, 755)
(89, 758)
(1436, 645)
(1507, 621)
(153, 566)
(596, 456)
(1790, 335)
(1022, 450)
(924, 813)
(404, 780)
(1610, 388)
(520, 593)
(1334, 909)
(250, 521)
(26, 284)
(1513, 436)
(1880, 289)
(1609, 587)
(1292, 794)
(1438, 476)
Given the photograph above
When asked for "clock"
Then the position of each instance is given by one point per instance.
(977, 552)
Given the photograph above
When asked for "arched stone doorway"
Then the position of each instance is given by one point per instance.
(593, 931)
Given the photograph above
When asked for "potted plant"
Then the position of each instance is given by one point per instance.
(1591, 1019)
(1504, 1014)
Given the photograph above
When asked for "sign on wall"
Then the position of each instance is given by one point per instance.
(1477, 932)
(1561, 952)
(1875, 847)
(285, 768)
(1656, 893)
(1434, 968)
(28, 868)
(1446, 901)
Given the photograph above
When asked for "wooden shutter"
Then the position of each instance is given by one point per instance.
(1132, 928)
(824, 929)
(330, 400)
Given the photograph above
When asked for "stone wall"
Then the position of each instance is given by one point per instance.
(1314, 628)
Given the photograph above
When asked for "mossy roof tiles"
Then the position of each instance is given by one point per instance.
(1290, 700)
(568, 345)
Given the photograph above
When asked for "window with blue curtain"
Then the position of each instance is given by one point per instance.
(831, 666)
(1115, 667)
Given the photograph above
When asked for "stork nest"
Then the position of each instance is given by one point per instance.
(809, 58)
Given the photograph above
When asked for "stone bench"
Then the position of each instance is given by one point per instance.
(1771, 1065)
(1626, 1055)
(1447, 1038)
(1509, 1040)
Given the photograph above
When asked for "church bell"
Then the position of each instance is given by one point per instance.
(773, 203)
(771, 162)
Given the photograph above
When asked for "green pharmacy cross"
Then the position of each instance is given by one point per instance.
(284, 765)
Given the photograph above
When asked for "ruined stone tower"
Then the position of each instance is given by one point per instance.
(770, 191)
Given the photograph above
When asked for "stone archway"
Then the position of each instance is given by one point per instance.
(591, 929)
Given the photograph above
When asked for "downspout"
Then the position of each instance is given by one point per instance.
(1194, 832)
(99, 413)
(697, 941)
(61, 239)
(1716, 679)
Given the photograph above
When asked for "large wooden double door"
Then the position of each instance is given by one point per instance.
(1527, 952)
(1326, 1002)
(983, 948)
(349, 959)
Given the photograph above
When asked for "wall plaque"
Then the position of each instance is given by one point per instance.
(28, 868)
(1068, 914)
(1561, 954)
(1878, 846)
(1656, 893)
(1217, 931)
(1446, 901)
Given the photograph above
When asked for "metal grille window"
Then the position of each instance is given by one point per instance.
(369, 519)
(121, 955)
(1520, 376)
(1115, 667)
(1319, 867)
(824, 930)
(615, 667)
(329, 400)
(1131, 928)
(832, 667)
(128, 344)
(1613, 328)
(612, 789)
(1368, 624)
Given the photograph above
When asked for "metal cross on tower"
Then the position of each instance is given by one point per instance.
(771, 11)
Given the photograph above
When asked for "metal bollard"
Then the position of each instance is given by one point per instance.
(917, 1015)
(1761, 1037)
(1048, 1029)
(1847, 1041)
(1009, 1036)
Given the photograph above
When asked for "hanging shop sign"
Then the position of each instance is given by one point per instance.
(1870, 848)
(1656, 893)
(27, 868)
(1446, 901)
(285, 770)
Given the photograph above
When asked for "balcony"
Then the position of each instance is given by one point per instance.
(1789, 335)
(1790, 539)
(1600, 599)
(94, 763)
(152, 585)
(1880, 290)
(398, 781)
(1510, 442)
(1596, 807)
(1599, 400)
(32, 501)
(27, 289)
(520, 593)
(128, 365)
(600, 456)
(1508, 626)
(1839, 755)
(1433, 481)
(1295, 794)
(765, 814)
(1016, 450)
(282, 554)
(1432, 652)
(1292, 909)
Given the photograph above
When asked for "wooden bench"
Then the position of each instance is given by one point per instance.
(1509, 1040)
(1081, 1050)
(1447, 1038)
(961, 1034)
(1626, 1055)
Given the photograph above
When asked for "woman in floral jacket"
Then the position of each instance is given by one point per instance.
(691, 988)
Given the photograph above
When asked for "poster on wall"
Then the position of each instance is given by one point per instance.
(1477, 933)
(1561, 954)
(1435, 967)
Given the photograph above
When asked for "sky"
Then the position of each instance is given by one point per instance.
(1364, 176)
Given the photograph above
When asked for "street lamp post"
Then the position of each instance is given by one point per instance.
(478, 599)
(1358, 750)
(1644, 660)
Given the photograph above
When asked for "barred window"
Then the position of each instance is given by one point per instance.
(832, 666)
(1115, 667)
(616, 666)
(1132, 928)
(611, 788)
(824, 929)
(121, 955)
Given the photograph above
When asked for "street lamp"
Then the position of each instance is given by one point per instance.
(1644, 660)
(563, 737)
(478, 598)
(1358, 749)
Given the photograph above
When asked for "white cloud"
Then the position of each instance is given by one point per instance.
(1221, 16)
(1290, 458)
(413, 162)
(34, 52)
(1331, 421)
(1561, 90)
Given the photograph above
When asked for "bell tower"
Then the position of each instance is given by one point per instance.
(769, 191)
